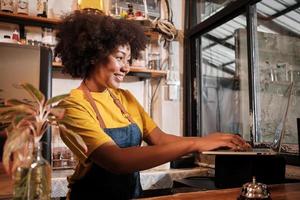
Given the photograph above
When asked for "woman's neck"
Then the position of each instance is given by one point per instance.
(93, 86)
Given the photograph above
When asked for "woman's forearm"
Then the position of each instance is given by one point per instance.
(127, 160)
(158, 137)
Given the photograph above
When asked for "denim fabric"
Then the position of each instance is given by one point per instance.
(99, 183)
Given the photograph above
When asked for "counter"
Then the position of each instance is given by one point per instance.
(289, 191)
(150, 179)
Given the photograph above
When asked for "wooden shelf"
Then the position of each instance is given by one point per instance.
(26, 20)
(141, 72)
(152, 72)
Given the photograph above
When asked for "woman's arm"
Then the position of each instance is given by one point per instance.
(212, 141)
(165, 148)
(131, 159)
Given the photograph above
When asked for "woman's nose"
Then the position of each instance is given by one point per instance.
(125, 68)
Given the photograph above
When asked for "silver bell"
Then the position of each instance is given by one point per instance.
(254, 190)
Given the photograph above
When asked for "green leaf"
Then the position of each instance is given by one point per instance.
(35, 93)
(16, 141)
(56, 99)
(18, 118)
(14, 102)
(73, 140)
(58, 112)
(16, 109)
(14, 118)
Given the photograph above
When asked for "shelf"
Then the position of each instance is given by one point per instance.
(141, 72)
(27, 20)
(152, 72)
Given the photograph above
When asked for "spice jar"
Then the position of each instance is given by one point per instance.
(22, 7)
(41, 8)
(47, 36)
(7, 5)
(154, 61)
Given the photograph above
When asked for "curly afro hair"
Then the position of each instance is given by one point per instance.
(86, 39)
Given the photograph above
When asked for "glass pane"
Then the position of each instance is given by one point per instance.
(203, 9)
(118, 6)
(225, 102)
(278, 34)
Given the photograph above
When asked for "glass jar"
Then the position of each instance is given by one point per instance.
(7, 6)
(39, 176)
(20, 176)
(41, 8)
(154, 61)
(22, 7)
(48, 37)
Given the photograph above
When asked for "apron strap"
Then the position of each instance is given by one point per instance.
(92, 102)
(121, 107)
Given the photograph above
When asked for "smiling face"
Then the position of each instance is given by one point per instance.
(113, 72)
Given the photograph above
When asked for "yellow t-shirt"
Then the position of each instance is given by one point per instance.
(84, 121)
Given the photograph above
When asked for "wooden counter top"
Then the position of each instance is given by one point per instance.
(59, 180)
(150, 179)
(289, 191)
(6, 186)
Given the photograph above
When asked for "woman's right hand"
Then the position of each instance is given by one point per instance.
(221, 140)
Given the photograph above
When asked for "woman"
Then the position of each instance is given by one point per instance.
(110, 120)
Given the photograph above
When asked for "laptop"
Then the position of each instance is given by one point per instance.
(272, 149)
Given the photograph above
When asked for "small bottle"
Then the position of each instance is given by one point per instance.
(41, 8)
(47, 36)
(22, 7)
(16, 36)
(7, 6)
(130, 12)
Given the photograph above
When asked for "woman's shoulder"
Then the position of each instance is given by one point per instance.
(121, 92)
(75, 98)
(124, 95)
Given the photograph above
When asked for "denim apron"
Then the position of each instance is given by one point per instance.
(98, 183)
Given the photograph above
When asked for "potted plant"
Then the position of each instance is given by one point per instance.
(26, 122)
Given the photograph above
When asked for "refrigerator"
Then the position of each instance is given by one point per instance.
(25, 63)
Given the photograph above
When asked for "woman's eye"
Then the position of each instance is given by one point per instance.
(119, 58)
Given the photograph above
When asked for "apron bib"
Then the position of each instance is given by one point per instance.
(98, 183)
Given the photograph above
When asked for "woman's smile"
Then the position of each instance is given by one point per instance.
(119, 76)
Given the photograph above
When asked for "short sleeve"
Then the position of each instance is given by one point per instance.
(86, 126)
(148, 123)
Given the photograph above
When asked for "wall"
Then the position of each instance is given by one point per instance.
(167, 114)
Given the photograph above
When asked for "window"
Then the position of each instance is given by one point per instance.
(243, 69)
(223, 65)
(278, 42)
(203, 9)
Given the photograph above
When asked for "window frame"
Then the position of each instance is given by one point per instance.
(193, 69)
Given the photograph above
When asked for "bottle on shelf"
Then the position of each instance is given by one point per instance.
(130, 13)
(7, 6)
(41, 7)
(16, 36)
(22, 7)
